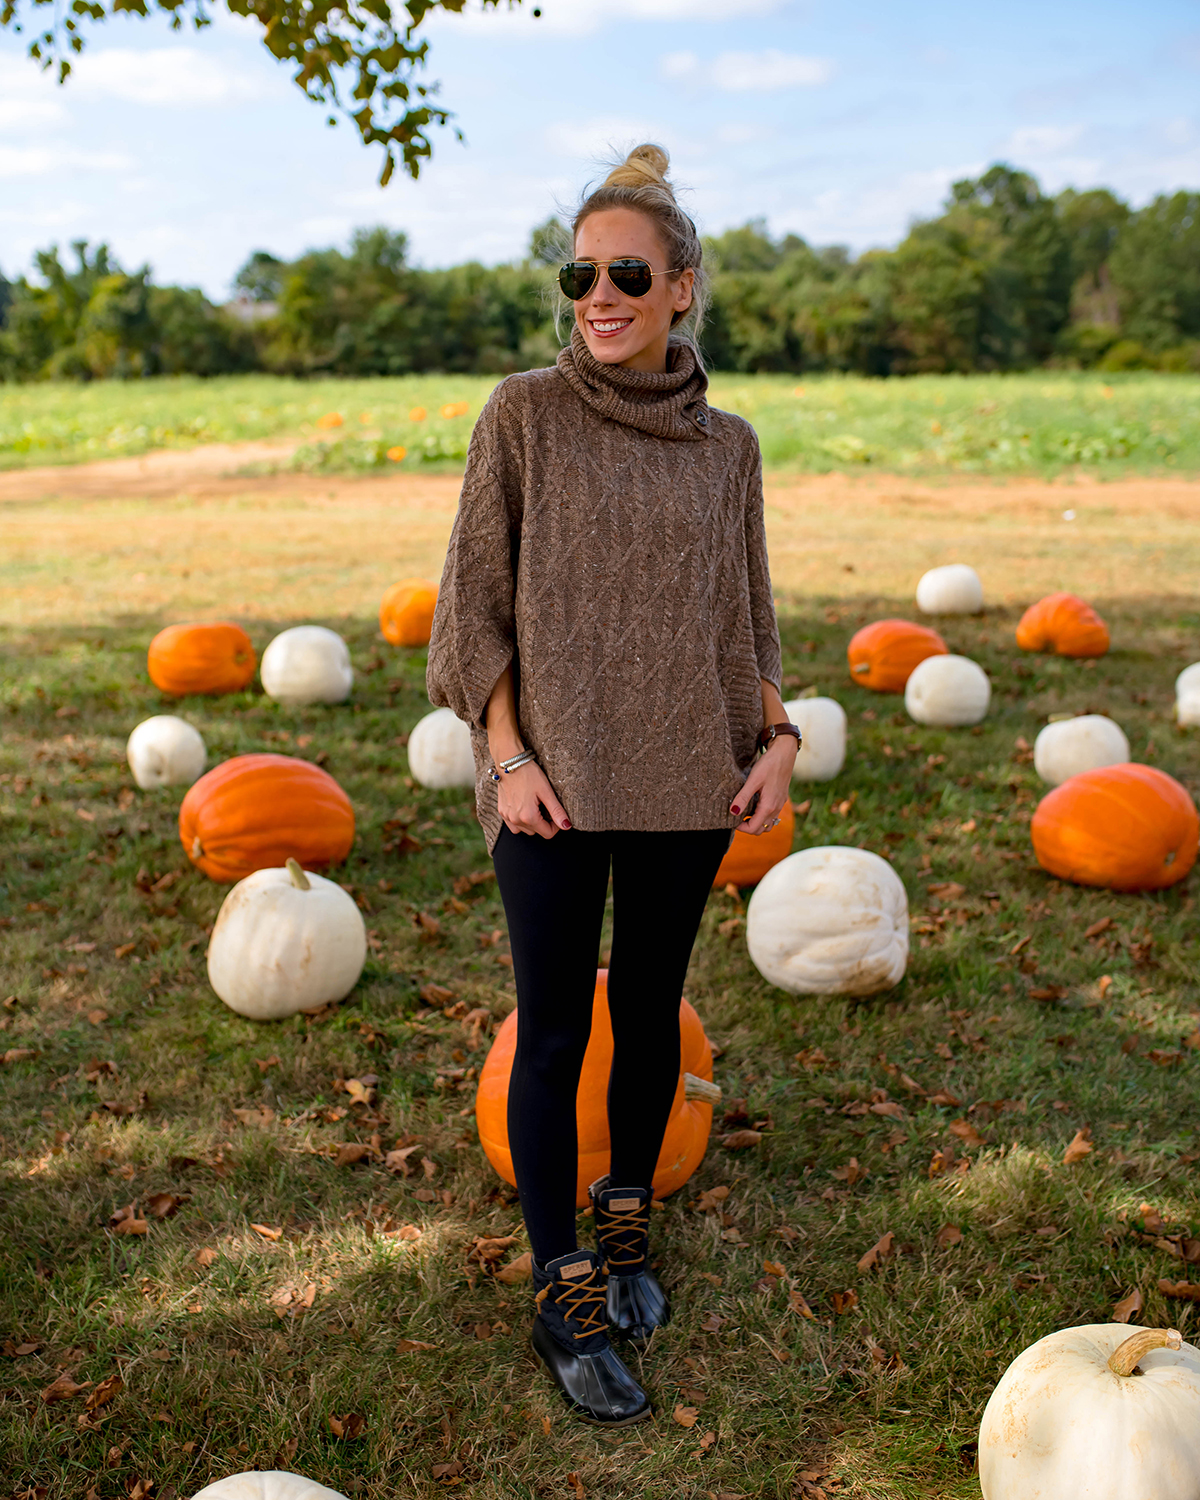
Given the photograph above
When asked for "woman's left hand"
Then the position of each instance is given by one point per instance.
(771, 777)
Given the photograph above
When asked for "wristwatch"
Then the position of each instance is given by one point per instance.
(773, 731)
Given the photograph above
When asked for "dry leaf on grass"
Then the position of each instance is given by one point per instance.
(255, 1117)
(206, 1255)
(946, 1099)
(741, 1140)
(13, 1350)
(520, 1269)
(63, 1389)
(1152, 1221)
(949, 1234)
(413, 1346)
(966, 1133)
(883, 1249)
(352, 1425)
(576, 1484)
(710, 1199)
(397, 1161)
(1186, 1291)
(406, 1232)
(105, 1392)
(850, 1173)
(798, 1304)
(1081, 1146)
(126, 1221)
(889, 1109)
(686, 1416)
(1123, 1311)
(350, 1153)
(165, 1205)
(263, 1063)
(267, 1232)
(447, 1473)
(844, 1302)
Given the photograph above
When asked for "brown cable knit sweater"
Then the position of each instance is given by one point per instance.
(609, 543)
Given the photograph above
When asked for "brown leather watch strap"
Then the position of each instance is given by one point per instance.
(773, 731)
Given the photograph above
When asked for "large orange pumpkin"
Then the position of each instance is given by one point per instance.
(201, 659)
(882, 656)
(406, 614)
(1064, 624)
(1127, 827)
(687, 1129)
(751, 855)
(255, 812)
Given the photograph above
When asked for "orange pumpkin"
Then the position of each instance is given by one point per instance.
(882, 656)
(1126, 827)
(1064, 624)
(201, 659)
(406, 614)
(254, 812)
(751, 855)
(687, 1129)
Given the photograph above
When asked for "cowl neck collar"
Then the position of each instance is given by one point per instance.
(670, 405)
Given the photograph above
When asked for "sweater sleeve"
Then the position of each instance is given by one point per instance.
(762, 603)
(474, 630)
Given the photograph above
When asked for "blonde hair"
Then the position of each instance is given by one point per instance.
(640, 182)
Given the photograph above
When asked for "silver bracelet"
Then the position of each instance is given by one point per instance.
(513, 763)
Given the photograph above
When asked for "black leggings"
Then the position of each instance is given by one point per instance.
(554, 892)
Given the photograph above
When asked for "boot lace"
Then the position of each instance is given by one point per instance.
(622, 1234)
(584, 1301)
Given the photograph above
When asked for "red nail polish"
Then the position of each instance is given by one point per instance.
(735, 810)
(567, 824)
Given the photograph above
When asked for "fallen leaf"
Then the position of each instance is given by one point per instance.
(413, 1346)
(949, 1234)
(966, 1133)
(126, 1221)
(263, 1063)
(576, 1484)
(1104, 985)
(397, 1161)
(97, 1017)
(206, 1255)
(63, 1389)
(520, 1269)
(891, 1141)
(1124, 1310)
(711, 1199)
(105, 1392)
(844, 1302)
(1081, 1146)
(447, 1471)
(435, 994)
(260, 1117)
(267, 1232)
(351, 1153)
(799, 1305)
(18, 1351)
(850, 1173)
(352, 1425)
(1186, 1291)
(741, 1140)
(686, 1416)
(711, 1322)
(165, 1205)
(947, 890)
(1152, 1221)
(405, 1232)
(1098, 927)
(882, 1249)
(889, 1109)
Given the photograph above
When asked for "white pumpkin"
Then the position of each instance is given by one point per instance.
(1070, 1420)
(947, 691)
(165, 751)
(953, 589)
(307, 664)
(1084, 743)
(267, 1484)
(829, 921)
(822, 722)
(1187, 695)
(285, 941)
(439, 750)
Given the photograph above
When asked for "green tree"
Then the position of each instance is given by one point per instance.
(362, 62)
(261, 277)
(1156, 267)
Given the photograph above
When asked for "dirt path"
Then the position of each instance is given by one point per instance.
(182, 533)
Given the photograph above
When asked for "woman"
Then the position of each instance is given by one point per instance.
(605, 626)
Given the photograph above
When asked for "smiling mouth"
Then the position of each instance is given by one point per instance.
(605, 328)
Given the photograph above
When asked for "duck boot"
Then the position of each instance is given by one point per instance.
(637, 1305)
(571, 1339)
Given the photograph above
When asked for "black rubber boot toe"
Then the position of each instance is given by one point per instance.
(637, 1304)
(569, 1338)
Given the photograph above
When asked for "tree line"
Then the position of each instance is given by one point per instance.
(1005, 278)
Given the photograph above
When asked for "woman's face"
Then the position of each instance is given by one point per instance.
(621, 330)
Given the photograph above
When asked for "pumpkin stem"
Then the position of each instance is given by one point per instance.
(197, 847)
(299, 879)
(701, 1088)
(1124, 1358)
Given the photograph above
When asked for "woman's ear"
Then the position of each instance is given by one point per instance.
(683, 291)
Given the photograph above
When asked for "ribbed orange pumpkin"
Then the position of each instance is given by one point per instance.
(254, 812)
(687, 1130)
(1064, 624)
(1126, 827)
(201, 659)
(882, 656)
(751, 855)
(406, 614)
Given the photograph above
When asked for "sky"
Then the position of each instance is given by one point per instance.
(838, 122)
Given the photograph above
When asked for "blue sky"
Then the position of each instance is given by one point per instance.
(840, 122)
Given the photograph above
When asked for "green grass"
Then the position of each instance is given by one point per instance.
(225, 1370)
(1043, 423)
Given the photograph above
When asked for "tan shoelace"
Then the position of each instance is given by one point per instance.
(586, 1301)
(622, 1233)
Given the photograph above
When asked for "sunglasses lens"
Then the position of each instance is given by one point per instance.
(633, 277)
(577, 278)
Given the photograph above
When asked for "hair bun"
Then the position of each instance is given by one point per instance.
(645, 166)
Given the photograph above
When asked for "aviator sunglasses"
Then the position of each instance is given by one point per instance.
(630, 275)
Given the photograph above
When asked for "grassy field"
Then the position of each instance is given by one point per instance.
(126, 1082)
(1043, 423)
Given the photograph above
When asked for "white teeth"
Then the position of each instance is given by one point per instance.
(610, 327)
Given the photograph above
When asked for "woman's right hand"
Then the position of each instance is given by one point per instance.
(527, 802)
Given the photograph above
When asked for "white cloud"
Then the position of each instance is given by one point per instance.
(17, 115)
(45, 161)
(179, 76)
(735, 134)
(598, 139)
(1032, 141)
(1179, 132)
(740, 72)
